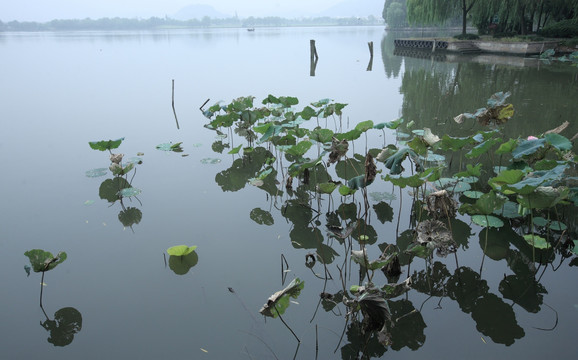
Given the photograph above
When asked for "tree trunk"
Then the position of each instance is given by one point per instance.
(464, 18)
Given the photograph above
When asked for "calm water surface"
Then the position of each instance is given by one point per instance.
(61, 90)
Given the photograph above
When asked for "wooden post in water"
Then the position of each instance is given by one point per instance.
(173, 103)
(370, 65)
(314, 57)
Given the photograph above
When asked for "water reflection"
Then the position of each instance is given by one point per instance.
(67, 323)
(119, 188)
(337, 233)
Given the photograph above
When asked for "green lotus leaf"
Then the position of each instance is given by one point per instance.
(344, 190)
(540, 221)
(454, 143)
(487, 221)
(482, 148)
(105, 144)
(364, 126)
(543, 197)
(321, 135)
(358, 182)
(528, 147)
(235, 150)
(394, 124)
(279, 301)
(485, 205)
(299, 149)
(181, 250)
(507, 147)
(558, 141)
(96, 172)
(350, 135)
(326, 187)
(43, 260)
(210, 161)
(131, 191)
(473, 194)
(537, 241)
(557, 226)
(509, 210)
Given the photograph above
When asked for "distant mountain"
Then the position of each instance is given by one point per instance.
(360, 8)
(199, 11)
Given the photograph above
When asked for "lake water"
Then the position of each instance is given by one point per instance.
(62, 90)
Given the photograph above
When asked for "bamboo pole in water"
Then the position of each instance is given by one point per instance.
(370, 64)
(173, 103)
(314, 57)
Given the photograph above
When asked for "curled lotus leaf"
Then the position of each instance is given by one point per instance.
(279, 301)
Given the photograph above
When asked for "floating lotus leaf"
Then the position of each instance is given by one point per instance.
(105, 145)
(43, 260)
(210, 161)
(473, 194)
(96, 172)
(487, 221)
(381, 196)
(557, 226)
(537, 241)
(279, 302)
(131, 191)
(181, 250)
(540, 221)
(170, 147)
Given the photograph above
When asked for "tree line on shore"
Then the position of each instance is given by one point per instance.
(558, 18)
(166, 22)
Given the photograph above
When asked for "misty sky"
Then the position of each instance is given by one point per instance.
(44, 10)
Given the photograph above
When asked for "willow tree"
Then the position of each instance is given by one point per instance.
(438, 11)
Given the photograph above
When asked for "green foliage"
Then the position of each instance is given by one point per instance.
(279, 302)
(42, 261)
(104, 145)
(180, 250)
(562, 29)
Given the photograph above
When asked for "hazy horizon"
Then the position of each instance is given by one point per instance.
(46, 10)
